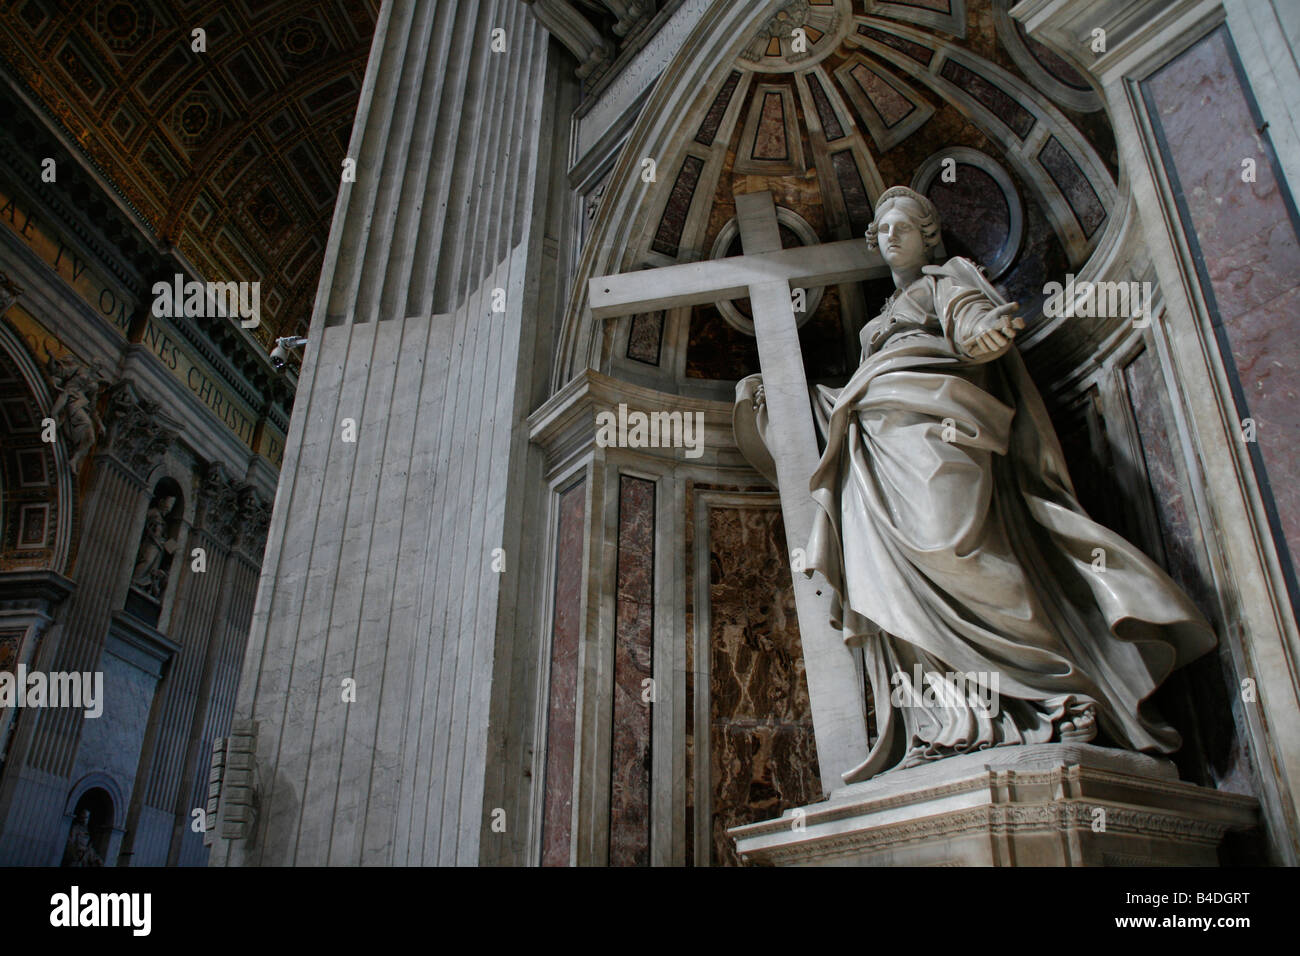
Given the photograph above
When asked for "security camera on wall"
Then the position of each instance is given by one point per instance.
(280, 354)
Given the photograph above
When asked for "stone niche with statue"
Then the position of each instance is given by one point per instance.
(1006, 635)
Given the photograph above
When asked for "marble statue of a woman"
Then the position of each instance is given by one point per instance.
(959, 557)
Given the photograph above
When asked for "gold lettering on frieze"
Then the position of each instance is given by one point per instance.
(108, 299)
(200, 380)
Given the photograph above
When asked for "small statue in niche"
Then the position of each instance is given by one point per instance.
(149, 575)
(80, 849)
(77, 389)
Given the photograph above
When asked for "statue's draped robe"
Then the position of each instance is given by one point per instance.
(949, 531)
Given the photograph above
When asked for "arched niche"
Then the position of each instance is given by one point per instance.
(159, 553)
(37, 512)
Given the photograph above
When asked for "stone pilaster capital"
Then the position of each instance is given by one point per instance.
(139, 432)
(217, 511)
(252, 521)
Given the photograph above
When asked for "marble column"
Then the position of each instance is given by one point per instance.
(369, 664)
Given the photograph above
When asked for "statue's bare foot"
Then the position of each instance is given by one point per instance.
(1082, 728)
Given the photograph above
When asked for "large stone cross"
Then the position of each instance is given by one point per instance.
(768, 274)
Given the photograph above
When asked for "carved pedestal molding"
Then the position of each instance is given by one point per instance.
(1041, 805)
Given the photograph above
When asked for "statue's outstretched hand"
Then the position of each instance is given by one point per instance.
(995, 331)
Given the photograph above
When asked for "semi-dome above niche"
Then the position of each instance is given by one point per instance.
(951, 97)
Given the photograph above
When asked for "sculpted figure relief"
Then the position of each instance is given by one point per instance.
(959, 556)
(148, 574)
(77, 390)
(80, 850)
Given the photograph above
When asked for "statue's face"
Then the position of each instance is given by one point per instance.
(901, 244)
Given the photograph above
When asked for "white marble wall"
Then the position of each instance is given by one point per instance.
(379, 564)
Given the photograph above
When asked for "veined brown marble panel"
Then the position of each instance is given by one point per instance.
(763, 753)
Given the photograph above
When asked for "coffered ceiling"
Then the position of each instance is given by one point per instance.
(230, 155)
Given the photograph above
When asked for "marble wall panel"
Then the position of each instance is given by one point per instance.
(995, 99)
(831, 125)
(1243, 231)
(557, 812)
(1073, 184)
(669, 234)
(770, 139)
(645, 337)
(713, 119)
(975, 214)
(916, 51)
(629, 798)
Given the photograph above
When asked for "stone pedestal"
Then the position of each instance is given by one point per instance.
(1042, 805)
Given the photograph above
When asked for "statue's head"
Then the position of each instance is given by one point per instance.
(905, 228)
(83, 816)
(166, 504)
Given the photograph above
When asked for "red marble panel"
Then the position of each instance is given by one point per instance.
(907, 47)
(645, 336)
(1248, 253)
(1183, 547)
(891, 105)
(629, 797)
(713, 119)
(673, 222)
(557, 813)
(1198, 699)
(974, 211)
(825, 112)
(769, 138)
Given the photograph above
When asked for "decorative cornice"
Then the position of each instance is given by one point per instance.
(1064, 798)
(40, 590)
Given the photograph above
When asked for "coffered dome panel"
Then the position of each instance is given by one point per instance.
(905, 85)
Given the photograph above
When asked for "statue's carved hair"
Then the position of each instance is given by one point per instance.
(918, 207)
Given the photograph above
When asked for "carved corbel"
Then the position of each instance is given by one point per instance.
(632, 14)
(563, 21)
